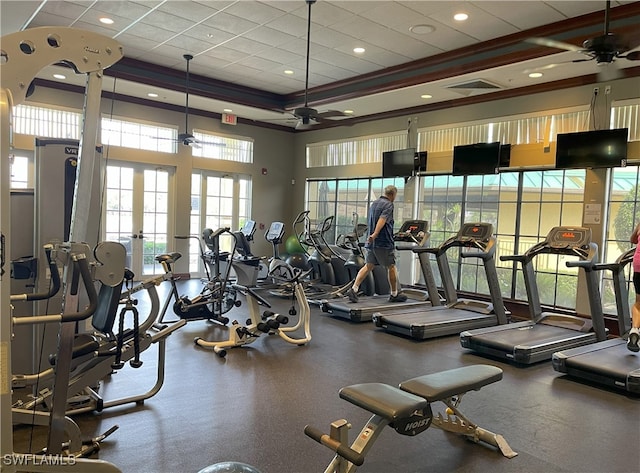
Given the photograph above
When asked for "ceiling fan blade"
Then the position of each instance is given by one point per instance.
(632, 56)
(608, 72)
(552, 43)
(331, 114)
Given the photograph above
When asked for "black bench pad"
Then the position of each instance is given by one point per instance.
(438, 386)
(384, 400)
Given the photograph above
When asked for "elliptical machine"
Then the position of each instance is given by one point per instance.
(355, 261)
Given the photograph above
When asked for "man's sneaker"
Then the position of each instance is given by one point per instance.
(632, 341)
(351, 294)
(400, 297)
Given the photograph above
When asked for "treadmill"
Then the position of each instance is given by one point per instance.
(412, 234)
(459, 314)
(537, 339)
(609, 362)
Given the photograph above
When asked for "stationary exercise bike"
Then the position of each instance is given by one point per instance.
(268, 322)
(217, 296)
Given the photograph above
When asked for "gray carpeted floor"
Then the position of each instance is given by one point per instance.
(253, 405)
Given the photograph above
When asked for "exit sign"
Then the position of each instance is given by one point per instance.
(229, 119)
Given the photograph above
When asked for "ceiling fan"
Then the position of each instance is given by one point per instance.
(187, 138)
(306, 115)
(604, 49)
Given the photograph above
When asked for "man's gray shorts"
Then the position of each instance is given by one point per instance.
(381, 256)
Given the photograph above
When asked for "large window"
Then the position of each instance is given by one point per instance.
(46, 122)
(521, 206)
(137, 135)
(623, 210)
(223, 147)
(361, 150)
(19, 166)
(217, 200)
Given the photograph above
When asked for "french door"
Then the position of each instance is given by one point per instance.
(217, 200)
(137, 202)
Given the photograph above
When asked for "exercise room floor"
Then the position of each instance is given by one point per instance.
(252, 407)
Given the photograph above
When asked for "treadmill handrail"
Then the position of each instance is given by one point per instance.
(588, 262)
(487, 250)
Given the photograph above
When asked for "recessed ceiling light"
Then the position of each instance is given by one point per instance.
(106, 21)
(59, 76)
(422, 29)
(348, 112)
(358, 50)
(227, 110)
(426, 96)
(460, 16)
(288, 72)
(535, 75)
(152, 94)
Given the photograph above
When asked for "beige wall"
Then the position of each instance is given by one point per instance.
(280, 194)
(273, 150)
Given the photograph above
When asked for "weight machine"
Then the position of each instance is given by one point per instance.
(24, 54)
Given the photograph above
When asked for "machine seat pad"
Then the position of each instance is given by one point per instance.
(437, 386)
(169, 257)
(384, 400)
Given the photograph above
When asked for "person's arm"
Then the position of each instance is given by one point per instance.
(379, 226)
(635, 234)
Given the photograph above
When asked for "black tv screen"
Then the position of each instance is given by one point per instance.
(592, 149)
(476, 159)
(505, 156)
(398, 163)
(420, 161)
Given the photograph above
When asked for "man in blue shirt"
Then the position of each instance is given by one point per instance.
(380, 246)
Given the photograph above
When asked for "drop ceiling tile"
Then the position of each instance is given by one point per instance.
(529, 14)
(394, 15)
(230, 23)
(267, 35)
(379, 56)
(246, 46)
(49, 19)
(281, 56)
(166, 21)
(332, 38)
(122, 9)
(209, 35)
(290, 24)
(195, 12)
(257, 12)
(69, 10)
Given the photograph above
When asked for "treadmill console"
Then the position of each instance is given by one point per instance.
(561, 238)
(275, 232)
(413, 231)
(475, 232)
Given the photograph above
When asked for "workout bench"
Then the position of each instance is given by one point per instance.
(408, 410)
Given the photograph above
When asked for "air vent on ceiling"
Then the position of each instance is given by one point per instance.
(476, 86)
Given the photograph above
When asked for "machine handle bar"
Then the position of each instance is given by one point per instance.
(345, 452)
(83, 265)
(55, 281)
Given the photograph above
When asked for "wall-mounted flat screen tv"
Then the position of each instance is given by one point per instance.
(476, 159)
(398, 163)
(592, 149)
(505, 155)
(420, 164)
